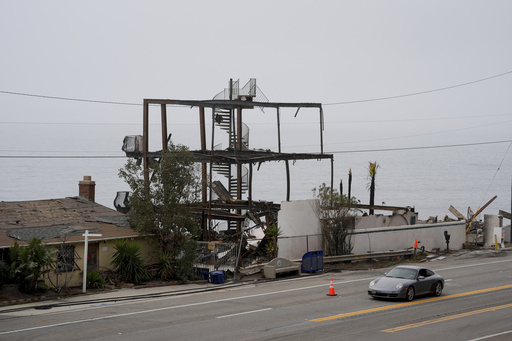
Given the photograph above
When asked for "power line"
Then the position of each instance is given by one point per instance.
(407, 136)
(418, 148)
(333, 152)
(264, 123)
(417, 119)
(420, 92)
(62, 157)
(434, 133)
(496, 173)
(336, 103)
(93, 123)
(68, 98)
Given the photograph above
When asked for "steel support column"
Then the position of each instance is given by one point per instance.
(332, 174)
(250, 186)
(287, 180)
(163, 110)
(278, 131)
(145, 147)
(322, 131)
(202, 129)
(238, 164)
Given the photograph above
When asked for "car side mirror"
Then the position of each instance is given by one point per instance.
(421, 277)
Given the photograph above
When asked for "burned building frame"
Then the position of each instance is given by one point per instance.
(228, 113)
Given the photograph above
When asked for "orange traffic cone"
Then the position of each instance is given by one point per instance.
(415, 243)
(331, 289)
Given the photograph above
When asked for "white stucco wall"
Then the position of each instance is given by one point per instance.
(300, 227)
(431, 236)
(301, 233)
(395, 219)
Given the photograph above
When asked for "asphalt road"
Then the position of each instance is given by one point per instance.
(476, 305)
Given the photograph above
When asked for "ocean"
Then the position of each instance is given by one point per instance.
(46, 161)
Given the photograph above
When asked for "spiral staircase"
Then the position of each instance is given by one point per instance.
(225, 119)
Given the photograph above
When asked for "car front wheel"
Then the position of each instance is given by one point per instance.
(409, 295)
(438, 289)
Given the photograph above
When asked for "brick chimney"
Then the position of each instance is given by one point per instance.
(86, 188)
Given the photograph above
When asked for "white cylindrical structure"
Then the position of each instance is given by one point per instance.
(490, 222)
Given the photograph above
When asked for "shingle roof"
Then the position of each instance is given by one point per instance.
(59, 220)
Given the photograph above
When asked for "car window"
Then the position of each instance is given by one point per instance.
(430, 273)
(402, 273)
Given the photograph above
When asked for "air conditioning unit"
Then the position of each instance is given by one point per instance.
(132, 144)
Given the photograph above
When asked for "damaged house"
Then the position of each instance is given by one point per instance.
(62, 223)
(227, 173)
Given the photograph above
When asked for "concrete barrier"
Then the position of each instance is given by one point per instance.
(280, 265)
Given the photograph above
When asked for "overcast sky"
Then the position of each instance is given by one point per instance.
(299, 51)
(442, 69)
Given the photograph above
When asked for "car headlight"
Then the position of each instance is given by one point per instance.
(372, 283)
(399, 286)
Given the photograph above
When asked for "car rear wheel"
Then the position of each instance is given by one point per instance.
(409, 295)
(438, 289)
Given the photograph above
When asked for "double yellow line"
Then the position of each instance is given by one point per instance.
(366, 311)
(447, 318)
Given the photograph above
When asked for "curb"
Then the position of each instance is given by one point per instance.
(24, 300)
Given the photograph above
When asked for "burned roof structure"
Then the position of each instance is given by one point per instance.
(226, 202)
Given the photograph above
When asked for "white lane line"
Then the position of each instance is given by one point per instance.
(170, 308)
(472, 265)
(490, 336)
(246, 312)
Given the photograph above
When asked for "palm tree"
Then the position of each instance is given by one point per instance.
(372, 172)
(349, 183)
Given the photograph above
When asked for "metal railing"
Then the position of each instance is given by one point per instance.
(212, 256)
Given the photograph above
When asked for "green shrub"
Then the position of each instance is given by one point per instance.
(95, 280)
(273, 232)
(30, 263)
(165, 268)
(4, 273)
(41, 286)
(128, 262)
(183, 257)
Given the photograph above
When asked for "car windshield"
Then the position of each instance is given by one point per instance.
(402, 273)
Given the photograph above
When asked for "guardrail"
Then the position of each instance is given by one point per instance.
(342, 258)
(369, 255)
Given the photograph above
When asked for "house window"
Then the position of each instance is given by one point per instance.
(4, 255)
(66, 258)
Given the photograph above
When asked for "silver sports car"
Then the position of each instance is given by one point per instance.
(406, 282)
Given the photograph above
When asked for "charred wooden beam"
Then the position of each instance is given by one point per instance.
(456, 213)
(504, 214)
(221, 215)
(383, 208)
(233, 104)
(226, 156)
